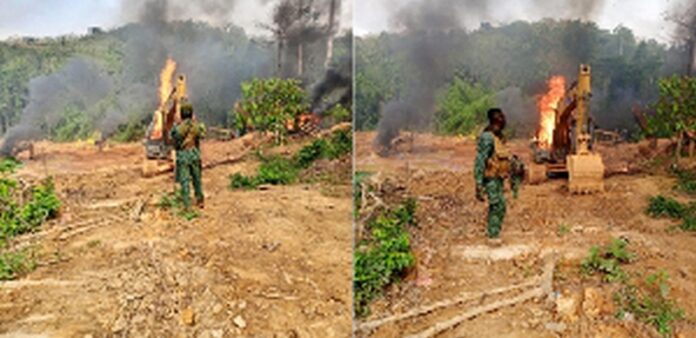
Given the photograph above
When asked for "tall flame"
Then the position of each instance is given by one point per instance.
(547, 106)
(165, 89)
(166, 81)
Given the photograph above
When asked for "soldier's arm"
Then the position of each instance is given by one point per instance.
(201, 130)
(174, 133)
(484, 149)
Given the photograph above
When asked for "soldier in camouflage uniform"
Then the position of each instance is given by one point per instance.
(493, 165)
(187, 136)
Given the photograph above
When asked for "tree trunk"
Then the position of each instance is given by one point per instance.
(300, 13)
(692, 57)
(680, 138)
(330, 37)
(279, 57)
(299, 59)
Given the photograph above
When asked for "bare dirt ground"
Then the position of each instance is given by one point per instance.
(468, 287)
(262, 263)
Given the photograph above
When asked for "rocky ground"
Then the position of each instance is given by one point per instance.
(273, 262)
(531, 284)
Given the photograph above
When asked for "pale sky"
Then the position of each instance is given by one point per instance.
(644, 17)
(40, 18)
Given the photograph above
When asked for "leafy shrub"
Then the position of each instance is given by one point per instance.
(310, 153)
(16, 219)
(650, 303)
(338, 113)
(268, 104)
(276, 170)
(280, 170)
(686, 180)
(461, 109)
(384, 257)
(660, 206)
(14, 263)
(607, 260)
(239, 181)
(174, 202)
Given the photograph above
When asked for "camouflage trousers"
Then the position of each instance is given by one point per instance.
(496, 206)
(188, 172)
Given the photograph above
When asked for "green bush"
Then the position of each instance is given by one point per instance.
(277, 170)
(310, 153)
(338, 113)
(461, 109)
(686, 180)
(660, 206)
(17, 219)
(268, 104)
(174, 202)
(382, 258)
(650, 304)
(280, 170)
(14, 263)
(607, 260)
(239, 181)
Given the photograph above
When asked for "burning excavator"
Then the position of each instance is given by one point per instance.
(158, 145)
(564, 143)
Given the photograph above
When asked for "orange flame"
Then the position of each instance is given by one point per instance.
(165, 89)
(166, 81)
(547, 106)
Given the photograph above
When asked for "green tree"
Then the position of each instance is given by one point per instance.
(268, 105)
(675, 108)
(462, 107)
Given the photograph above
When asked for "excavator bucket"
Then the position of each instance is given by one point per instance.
(585, 173)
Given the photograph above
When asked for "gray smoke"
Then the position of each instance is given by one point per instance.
(79, 84)
(683, 14)
(427, 31)
(426, 27)
(520, 110)
(335, 87)
(214, 12)
(213, 66)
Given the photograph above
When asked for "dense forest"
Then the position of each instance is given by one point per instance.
(508, 66)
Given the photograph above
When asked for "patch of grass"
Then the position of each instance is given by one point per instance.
(9, 165)
(19, 214)
(686, 180)
(174, 202)
(383, 257)
(310, 153)
(688, 223)
(14, 264)
(607, 260)
(278, 170)
(660, 206)
(650, 303)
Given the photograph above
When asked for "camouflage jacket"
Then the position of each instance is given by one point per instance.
(187, 135)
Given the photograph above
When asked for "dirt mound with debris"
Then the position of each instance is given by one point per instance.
(464, 286)
(271, 262)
